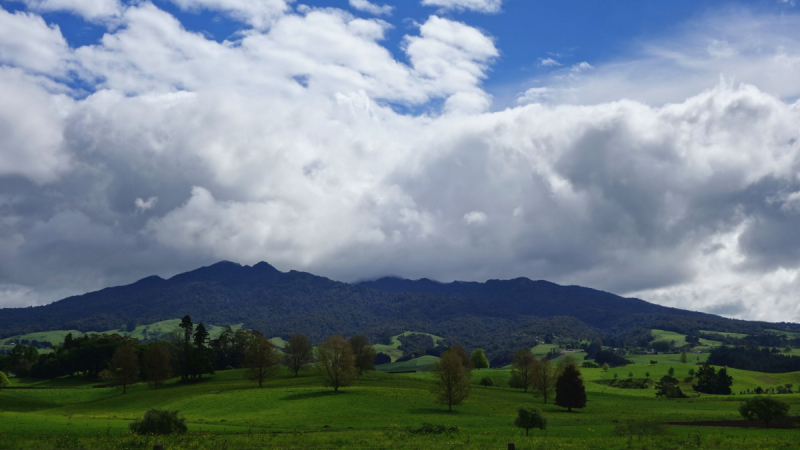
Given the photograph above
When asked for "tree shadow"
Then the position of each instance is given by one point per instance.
(314, 394)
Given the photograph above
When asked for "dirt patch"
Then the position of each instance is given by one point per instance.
(790, 422)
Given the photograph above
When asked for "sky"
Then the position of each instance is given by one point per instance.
(650, 149)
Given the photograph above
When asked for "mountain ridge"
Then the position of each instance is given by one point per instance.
(494, 313)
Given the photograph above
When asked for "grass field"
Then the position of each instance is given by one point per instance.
(381, 410)
(158, 330)
(393, 350)
(421, 364)
(680, 339)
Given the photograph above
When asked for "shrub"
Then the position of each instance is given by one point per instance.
(763, 408)
(589, 365)
(159, 421)
(528, 418)
(486, 382)
(4, 380)
(228, 367)
(653, 361)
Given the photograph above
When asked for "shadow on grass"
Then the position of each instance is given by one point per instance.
(436, 411)
(315, 394)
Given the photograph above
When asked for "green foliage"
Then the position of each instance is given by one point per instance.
(671, 371)
(479, 360)
(451, 383)
(709, 381)
(570, 392)
(765, 409)
(589, 365)
(528, 418)
(668, 387)
(4, 380)
(159, 422)
(486, 382)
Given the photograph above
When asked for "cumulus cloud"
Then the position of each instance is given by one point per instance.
(93, 10)
(366, 6)
(482, 6)
(286, 144)
(548, 62)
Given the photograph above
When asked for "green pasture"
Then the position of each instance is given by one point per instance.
(789, 334)
(421, 364)
(157, 330)
(380, 410)
(393, 350)
(735, 335)
(680, 339)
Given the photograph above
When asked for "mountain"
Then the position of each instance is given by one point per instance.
(497, 315)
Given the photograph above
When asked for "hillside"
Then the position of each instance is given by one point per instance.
(497, 315)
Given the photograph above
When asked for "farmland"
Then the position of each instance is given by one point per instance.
(380, 410)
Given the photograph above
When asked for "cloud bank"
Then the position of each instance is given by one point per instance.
(292, 144)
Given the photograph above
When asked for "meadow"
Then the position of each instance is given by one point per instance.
(380, 410)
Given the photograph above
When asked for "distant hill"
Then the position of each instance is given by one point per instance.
(496, 315)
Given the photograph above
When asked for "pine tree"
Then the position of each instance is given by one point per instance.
(570, 392)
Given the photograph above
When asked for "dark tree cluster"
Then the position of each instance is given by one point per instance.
(710, 381)
(610, 358)
(754, 359)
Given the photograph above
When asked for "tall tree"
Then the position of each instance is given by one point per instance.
(570, 392)
(478, 359)
(262, 360)
(363, 353)
(451, 379)
(185, 362)
(543, 377)
(298, 352)
(157, 363)
(522, 369)
(465, 359)
(335, 362)
(202, 357)
(124, 366)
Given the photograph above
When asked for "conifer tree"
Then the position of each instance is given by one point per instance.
(570, 392)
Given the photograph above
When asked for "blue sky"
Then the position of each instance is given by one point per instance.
(650, 149)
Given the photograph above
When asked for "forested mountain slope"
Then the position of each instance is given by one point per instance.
(495, 314)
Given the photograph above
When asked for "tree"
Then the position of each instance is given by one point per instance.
(382, 358)
(528, 418)
(668, 387)
(465, 359)
(709, 381)
(544, 377)
(4, 380)
(124, 366)
(363, 353)
(185, 362)
(684, 357)
(763, 408)
(262, 360)
(671, 372)
(451, 379)
(605, 367)
(486, 382)
(335, 362)
(478, 359)
(570, 392)
(157, 367)
(522, 369)
(202, 356)
(297, 353)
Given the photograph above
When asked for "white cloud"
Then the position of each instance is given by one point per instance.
(366, 6)
(145, 205)
(549, 62)
(258, 13)
(683, 195)
(475, 218)
(92, 10)
(26, 41)
(483, 6)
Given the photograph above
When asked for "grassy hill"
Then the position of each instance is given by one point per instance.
(680, 339)
(382, 410)
(421, 364)
(393, 349)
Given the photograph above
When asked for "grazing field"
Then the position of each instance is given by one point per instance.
(680, 339)
(381, 410)
(393, 349)
(157, 330)
(735, 335)
(421, 364)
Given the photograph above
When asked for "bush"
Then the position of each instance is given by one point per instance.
(528, 418)
(486, 382)
(653, 361)
(763, 408)
(382, 358)
(589, 365)
(4, 380)
(159, 421)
